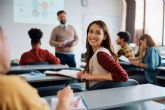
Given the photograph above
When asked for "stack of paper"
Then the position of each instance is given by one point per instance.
(70, 73)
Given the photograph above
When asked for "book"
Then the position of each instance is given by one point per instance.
(123, 58)
(77, 103)
(32, 75)
(70, 73)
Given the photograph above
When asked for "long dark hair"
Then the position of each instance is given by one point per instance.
(150, 42)
(105, 43)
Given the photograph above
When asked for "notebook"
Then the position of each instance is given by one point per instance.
(77, 103)
(70, 73)
(123, 58)
(31, 75)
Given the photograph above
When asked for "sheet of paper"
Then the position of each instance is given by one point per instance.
(123, 58)
(70, 73)
(77, 103)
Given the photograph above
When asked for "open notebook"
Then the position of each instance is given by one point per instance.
(123, 58)
(70, 73)
(77, 103)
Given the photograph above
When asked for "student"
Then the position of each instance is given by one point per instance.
(140, 51)
(36, 54)
(64, 38)
(100, 58)
(151, 60)
(16, 94)
(122, 40)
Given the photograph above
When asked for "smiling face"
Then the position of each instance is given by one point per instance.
(95, 36)
(4, 54)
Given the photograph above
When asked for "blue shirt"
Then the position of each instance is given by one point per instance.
(153, 60)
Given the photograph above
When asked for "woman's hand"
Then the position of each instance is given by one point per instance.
(79, 74)
(87, 76)
(65, 95)
(136, 63)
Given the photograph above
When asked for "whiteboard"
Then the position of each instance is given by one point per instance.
(112, 23)
(37, 11)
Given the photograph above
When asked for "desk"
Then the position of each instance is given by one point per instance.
(37, 67)
(160, 78)
(120, 97)
(134, 72)
(161, 68)
(150, 105)
(129, 67)
(102, 99)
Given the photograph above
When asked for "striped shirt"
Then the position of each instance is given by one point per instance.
(108, 63)
(103, 63)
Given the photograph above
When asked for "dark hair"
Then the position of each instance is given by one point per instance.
(124, 35)
(35, 35)
(60, 12)
(105, 43)
(150, 42)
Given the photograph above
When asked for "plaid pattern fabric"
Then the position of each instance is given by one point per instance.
(126, 51)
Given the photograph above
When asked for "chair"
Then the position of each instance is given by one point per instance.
(113, 84)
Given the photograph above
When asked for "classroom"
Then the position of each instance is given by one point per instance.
(82, 54)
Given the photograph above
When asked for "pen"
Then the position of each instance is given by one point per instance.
(66, 83)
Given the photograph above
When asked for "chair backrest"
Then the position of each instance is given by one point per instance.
(113, 84)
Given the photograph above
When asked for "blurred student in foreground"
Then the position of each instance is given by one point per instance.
(16, 94)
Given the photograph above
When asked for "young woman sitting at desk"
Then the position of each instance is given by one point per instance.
(36, 54)
(100, 58)
(151, 60)
(16, 94)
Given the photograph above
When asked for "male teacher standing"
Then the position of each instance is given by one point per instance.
(64, 38)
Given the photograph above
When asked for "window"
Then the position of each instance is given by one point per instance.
(139, 18)
(154, 19)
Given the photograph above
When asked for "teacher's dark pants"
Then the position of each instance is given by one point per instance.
(67, 59)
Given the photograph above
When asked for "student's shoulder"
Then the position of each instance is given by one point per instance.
(45, 51)
(153, 49)
(71, 26)
(56, 28)
(103, 50)
(25, 54)
(10, 79)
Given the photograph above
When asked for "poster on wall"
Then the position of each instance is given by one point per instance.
(37, 11)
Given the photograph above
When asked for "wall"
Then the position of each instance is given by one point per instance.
(17, 33)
